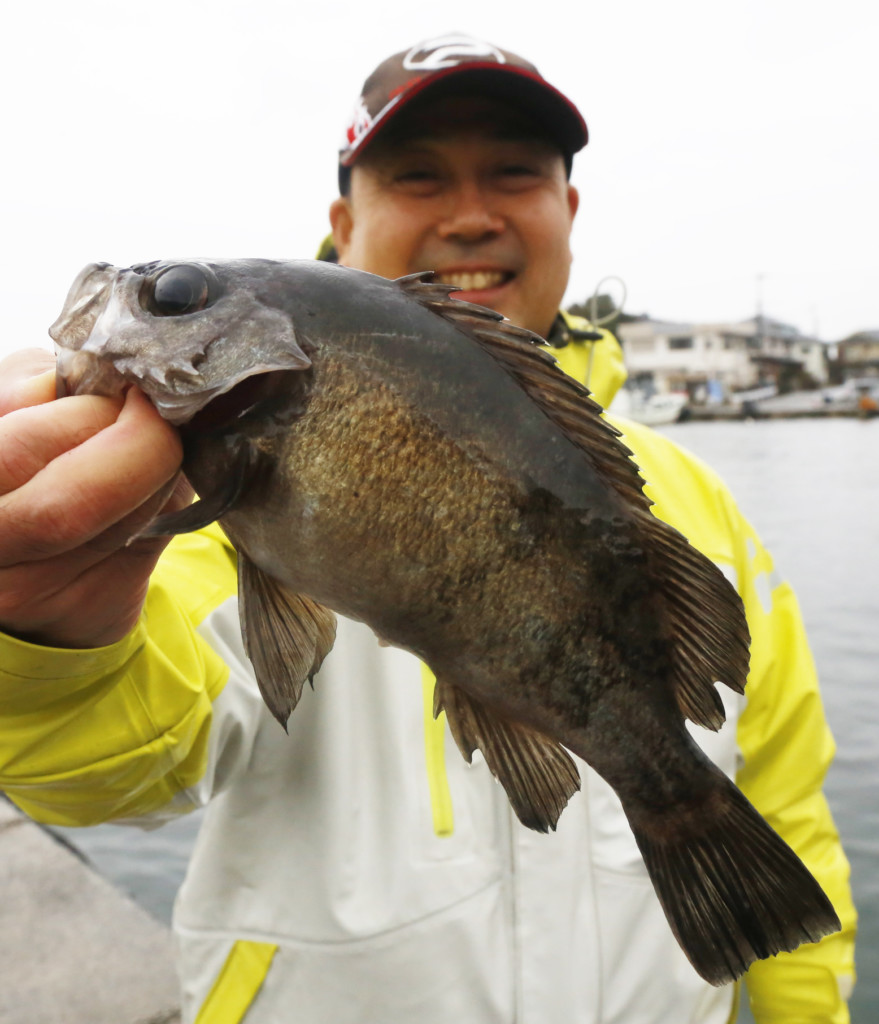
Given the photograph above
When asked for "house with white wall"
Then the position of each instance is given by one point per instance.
(716, 361)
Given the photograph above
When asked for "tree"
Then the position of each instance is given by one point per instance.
(603, 312)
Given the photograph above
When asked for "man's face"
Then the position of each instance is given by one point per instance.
(467, 188)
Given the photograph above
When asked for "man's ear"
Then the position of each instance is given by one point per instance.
(573, 201)
(342, 223)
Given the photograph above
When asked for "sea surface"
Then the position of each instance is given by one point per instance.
(811, 489)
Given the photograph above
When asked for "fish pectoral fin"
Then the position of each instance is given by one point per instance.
(286, 636)
(538, 774)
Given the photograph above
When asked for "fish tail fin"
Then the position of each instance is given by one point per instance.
(733, 891)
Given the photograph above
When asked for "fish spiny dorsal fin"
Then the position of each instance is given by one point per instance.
(705, 617)
(526, 357)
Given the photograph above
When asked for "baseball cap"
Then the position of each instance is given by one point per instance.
(455, 64)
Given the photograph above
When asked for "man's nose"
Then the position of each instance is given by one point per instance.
(471, 215)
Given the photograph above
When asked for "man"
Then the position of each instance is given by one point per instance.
(334, 879)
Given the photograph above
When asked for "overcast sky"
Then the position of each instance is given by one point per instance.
(730, 142)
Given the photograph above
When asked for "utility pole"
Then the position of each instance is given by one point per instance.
(760, 330)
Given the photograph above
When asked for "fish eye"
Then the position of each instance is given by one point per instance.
(175, 291)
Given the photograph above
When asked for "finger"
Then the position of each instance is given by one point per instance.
(126, 532)
(91, 596)
(90, 487)
(32, 437)
(26, 378)
(182, 495)
(66, 603)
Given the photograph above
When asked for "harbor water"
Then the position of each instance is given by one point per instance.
(811, 488)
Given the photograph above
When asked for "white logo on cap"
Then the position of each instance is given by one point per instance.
(448, 51)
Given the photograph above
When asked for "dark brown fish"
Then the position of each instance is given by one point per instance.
(417, 463)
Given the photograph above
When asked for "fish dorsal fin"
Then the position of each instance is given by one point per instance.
(704, 614)
(538, 774)
(286, 636)
(709, 631)
(526, 357)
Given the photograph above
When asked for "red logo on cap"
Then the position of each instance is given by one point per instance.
(361, 122)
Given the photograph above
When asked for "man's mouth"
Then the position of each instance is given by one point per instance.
(474, 280)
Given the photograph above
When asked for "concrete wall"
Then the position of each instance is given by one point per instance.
(74, 949)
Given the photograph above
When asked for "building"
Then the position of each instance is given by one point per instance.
(857, 356)
(721, 362)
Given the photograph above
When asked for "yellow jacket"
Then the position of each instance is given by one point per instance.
(328, 869)
(783, 738)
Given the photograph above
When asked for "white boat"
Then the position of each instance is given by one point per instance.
(651, 410)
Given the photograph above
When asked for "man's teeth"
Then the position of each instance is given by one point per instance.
(473, 280)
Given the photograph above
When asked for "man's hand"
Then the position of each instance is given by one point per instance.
(79, 477)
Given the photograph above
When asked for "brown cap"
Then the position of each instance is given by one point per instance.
(453, 64)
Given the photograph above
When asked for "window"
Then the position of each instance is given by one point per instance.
(639, 345)
(681, 341)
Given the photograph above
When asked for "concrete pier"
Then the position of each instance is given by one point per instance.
(73, 948)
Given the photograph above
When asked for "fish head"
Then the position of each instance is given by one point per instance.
(184, 332)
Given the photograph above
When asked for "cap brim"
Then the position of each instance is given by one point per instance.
(551, 109)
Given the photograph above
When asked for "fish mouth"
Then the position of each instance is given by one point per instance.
(475, 280)
(278, 396)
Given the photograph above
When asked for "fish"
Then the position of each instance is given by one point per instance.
(381, 450)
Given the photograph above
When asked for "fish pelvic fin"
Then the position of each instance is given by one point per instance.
(244, 464)
(286, 636)
(732, 890)
(537, 773)
(706, 619)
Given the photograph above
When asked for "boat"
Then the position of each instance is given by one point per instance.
(654, 409)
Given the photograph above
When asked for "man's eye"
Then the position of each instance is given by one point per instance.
(415, 175)
(514, 177)
(417, 181)
(518, 170)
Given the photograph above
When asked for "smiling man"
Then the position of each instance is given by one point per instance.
(458, 161)
(473, 189)
(350, 873)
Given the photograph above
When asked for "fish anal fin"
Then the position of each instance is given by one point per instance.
(537, 773)
(706, 619)
(732, 890)
(286, 636)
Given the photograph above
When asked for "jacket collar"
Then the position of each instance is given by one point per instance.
(592, 355)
